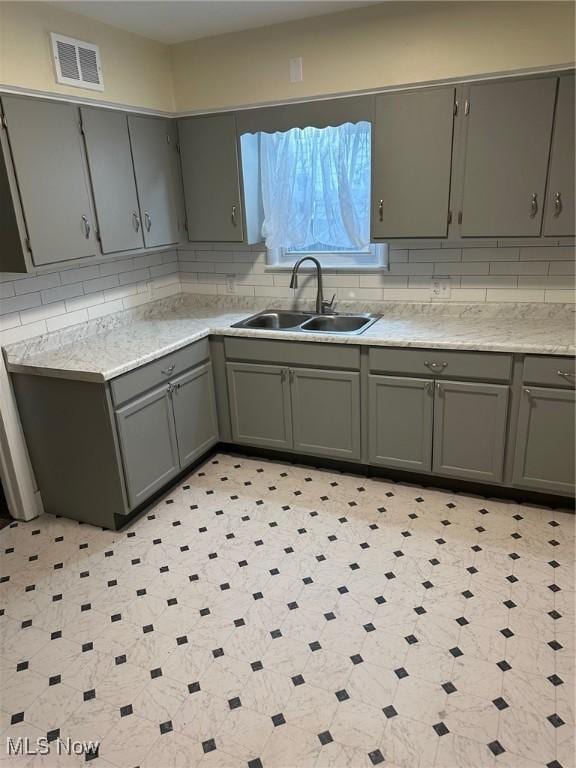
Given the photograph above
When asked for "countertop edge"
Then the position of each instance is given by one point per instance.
(95, 376)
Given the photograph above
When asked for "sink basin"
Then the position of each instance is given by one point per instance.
(339, 323)
(286, 320)
(275, 320)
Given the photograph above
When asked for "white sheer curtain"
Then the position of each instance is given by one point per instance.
(316, 187)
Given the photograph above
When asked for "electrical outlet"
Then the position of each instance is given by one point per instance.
(440, 288)
(230, 284)
(295, 69)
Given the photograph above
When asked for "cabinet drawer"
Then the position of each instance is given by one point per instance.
(311, 354)
(550, 371)
(439, 363)
(151, 375)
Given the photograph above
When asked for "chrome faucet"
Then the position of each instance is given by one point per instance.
(322, 307)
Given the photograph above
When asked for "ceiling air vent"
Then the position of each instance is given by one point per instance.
(77, 63)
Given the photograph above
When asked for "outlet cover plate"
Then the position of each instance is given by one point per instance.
(440, 289)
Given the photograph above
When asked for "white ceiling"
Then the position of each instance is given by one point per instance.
(174, 21)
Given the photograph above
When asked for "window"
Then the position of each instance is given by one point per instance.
(315, 195)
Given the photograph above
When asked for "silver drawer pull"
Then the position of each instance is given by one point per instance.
(233, 216)
(528, 392)
(147, 221)
(557, 204)
(533, 205)
(566, 374)
(167, 371)
(136, 220)
(381, 210)
(435, 365)
(86, 224)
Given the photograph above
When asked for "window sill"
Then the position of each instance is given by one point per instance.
(327, 269)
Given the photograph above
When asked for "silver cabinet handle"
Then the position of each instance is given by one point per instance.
(381, 210)
(147, 221)
(283, 374)
(557, 204)
(233, 216)
(86, 224)
(435, 366)
(167, 371)
(566, 374)
(430, 387)
(439, 388)
(528, 392)
(136, 221)
(291, 374)
(533, 205)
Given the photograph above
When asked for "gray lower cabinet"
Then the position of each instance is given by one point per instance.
(412, 137)
(194, 413)
(508, 131)
(559, 217)
(400, 422)
(260, 404)
(113, 183)
(544, 456)
(326, 412)
(52, 177)
(147, 434)
(470, 425)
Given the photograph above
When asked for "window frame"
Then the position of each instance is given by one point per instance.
(376, 259)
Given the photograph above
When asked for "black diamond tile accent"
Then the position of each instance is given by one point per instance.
(154, 673)
(315, 646)
(441, 729)
(456, 652)
(420, 610)
(504, 666)
(209, 745)
(380, 599)
(16, 718)
(56, 635)
(278, 719)
(234, 703)
(449, 687)
(554, 615)
(298, 680)
(120, 659)
(342, 695)
(554, 588)
(555, 645)
(256, 666)
(507, 632)
(389, 711)
(410, 639)
(356, 659)
(427, 584)
(91, 694)
(467, 594)
(325, 737)
(400, 673)
(127, 710)
(275, 634)
(376, 757)
(182, 640)
(55, 680)
(193, 687)
(555, 680)
(329, 616)
(217, 652)
(292, 606)
(256, 763)
(22, 666)
(462, 621)
(496, 748)
(239, 622)
(342, 590)
(87, 647)
(500, 703)
(369, 627)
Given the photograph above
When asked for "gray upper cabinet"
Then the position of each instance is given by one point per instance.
(544, 454)
(112, 175)
(148, 443)
(211, 177)
(400, 422)
(560, 199)
(260, 404)
(470, 430)
(508, 130)
(411, 166)
(48, 154)
(154, 143)
(194, 413)
(326, 412)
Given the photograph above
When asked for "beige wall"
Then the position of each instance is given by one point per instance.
(137, 71)
(389, 44)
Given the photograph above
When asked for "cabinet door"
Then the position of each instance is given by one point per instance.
(113, 183)
(508, 140)
(412, 160)
(544, 458)
(154, 149)
(148, 444)
(400, 412)
(260, 404)
(211, 178)
(50, 165)
(470, 423)
(326, 412)
(560, 201)
(194, 413)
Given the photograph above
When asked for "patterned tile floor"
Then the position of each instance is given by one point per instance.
(267, 614)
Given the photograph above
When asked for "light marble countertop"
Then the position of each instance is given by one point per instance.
(127, 340)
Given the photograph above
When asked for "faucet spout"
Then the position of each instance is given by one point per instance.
(320, 292)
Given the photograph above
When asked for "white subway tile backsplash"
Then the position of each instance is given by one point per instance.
(516, 295)
(562, 268)
(548, 253)
(39, 283)
(101, 283)
(490, 254)
(519, 268)
(445, 254)
(79, 275)
(17, 303)
(61, 293)
(70, 318)
(462, 268)
(136, 276)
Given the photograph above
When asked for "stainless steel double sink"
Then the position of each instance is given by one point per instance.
(285, 320)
